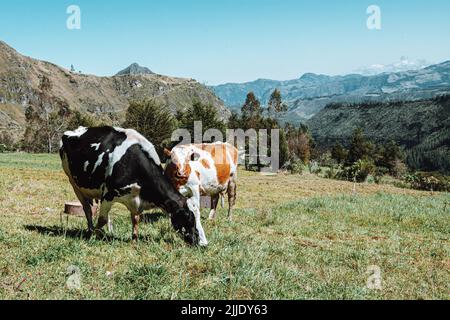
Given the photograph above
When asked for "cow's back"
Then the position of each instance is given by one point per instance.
(224, 157)
(85, 154)
(216, 164)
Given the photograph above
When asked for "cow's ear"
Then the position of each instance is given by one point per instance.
(167, 152)
(195, 156)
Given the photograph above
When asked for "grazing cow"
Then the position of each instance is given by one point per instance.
(120, 165)
(204, 169)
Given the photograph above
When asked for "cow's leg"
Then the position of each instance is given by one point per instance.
(103, 216)
(214, 202)
(231, 197)
(88, 213)
(135, 221)
(110, 224)
(87, 208)
(133, 203)
(196, 209)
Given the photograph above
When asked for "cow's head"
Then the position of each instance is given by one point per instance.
(183, 221)
(178, 169)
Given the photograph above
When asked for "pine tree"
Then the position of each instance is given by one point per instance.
(154, 121)
(338, 153)
(389, 156)
(234, 121)
(275, 103)
(251, 112)
(359, 148)
(207, 114)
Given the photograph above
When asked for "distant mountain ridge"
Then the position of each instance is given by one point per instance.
(102, 96)
(310, 93)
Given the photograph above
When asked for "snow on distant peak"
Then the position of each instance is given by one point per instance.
(405, 64)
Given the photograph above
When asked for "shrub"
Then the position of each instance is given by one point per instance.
(314, 167)
(379, 173)
(83, 119)
(429, 181)
(300, 142)
(399, 169)
(7, 140)
(326, 160)
(295, 167)
(3, 148)
(359, 171)
(371, 179)
(300, 146)
(331, 173)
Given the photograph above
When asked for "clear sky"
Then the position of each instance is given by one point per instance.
(218, 41)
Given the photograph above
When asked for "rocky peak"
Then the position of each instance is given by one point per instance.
(134, 69)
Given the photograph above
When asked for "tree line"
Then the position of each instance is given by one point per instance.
(48, 117)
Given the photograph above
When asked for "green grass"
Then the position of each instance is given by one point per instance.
(293, 237)
(30, 161)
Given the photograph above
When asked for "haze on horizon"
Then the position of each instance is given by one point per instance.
(228, 41)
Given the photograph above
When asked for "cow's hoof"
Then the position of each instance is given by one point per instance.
(203, 243)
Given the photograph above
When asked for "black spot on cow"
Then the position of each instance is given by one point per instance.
(82, 151)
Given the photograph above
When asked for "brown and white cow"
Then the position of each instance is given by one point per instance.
(204, 169)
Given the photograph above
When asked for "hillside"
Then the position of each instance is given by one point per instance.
(19, 80)
(310, 93)
(421, 127)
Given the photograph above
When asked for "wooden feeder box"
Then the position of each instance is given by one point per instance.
(205, 202)
(76, 209)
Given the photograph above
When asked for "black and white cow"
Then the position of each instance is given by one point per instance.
(120, 165)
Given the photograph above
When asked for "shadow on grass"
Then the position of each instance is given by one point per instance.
(74, 233)
(83, 234)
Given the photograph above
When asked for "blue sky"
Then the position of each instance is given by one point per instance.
(218, 41)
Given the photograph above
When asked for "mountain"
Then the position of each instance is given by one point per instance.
(134, 69)
(310, 93)
(422, 127)
(103, 96)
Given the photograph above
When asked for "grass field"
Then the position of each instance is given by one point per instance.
(293, 237)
